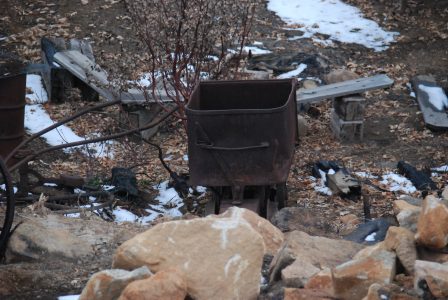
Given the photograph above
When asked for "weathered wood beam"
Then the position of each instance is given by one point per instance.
(344, 88)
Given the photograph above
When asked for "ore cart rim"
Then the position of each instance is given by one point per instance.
(10, 203)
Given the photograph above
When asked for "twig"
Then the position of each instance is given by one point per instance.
(62, 122)
(95, 140)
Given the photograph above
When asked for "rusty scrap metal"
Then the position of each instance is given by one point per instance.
(12, 105)
(10, 203)
(242, 133)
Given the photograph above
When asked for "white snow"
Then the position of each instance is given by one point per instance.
(69, 297)
(342, 22)
(319, 185)
(37, 94)
(370, 237)
(122, 215)
(255, 50)
(169, 204)
(436, 96)
(37, 118)
(363, 174)
(395, 182)
(294, 73)
(441, 169)
(3, 187)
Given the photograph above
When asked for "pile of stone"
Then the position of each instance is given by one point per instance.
(220, 257)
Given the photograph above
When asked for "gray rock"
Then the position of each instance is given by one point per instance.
(311, 251)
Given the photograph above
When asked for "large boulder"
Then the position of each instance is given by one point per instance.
(432, 228)
(32, 240)
(221, 257)
(55, 237)
(108, 284)
(311, 221)
(272, 236)
(434, 275)
(351, 280)
(316, 253)
(166, 284)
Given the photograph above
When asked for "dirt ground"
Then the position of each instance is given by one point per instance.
(394, 128)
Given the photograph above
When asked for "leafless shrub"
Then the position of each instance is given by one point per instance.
(188, 40)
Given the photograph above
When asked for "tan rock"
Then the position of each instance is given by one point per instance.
(166, 284)
(272, 236)
(408, 219)
(350, 219)
(401, 240)
(296, 274)
(432, 227)
(381, 292)
(109, 284)
(32, 240)
(412, 200)
(445, 193)
(306, 294)
(222, 256)
(352, 279)
(55, 237)
(370, 250)
(309, 84)
(339, 76)
(322, 281)
(435, 275)
(402, 205)
(374, 292)
(313, 250)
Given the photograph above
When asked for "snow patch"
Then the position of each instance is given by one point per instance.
(69, 297)
(294, 73)
(342, 22)
(37, 94)
(436, 96)
(441, 169)
(255, 50)
(37, 118)
(395, 182)
(370, 237)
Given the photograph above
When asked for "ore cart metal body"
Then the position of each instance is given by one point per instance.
(242, 133)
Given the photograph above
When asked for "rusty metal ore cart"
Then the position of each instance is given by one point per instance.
(241, 140)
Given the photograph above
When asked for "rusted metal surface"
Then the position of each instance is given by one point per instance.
(12, 103)
(241, 132)
(7, 201)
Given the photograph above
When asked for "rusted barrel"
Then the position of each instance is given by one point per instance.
(12, 114)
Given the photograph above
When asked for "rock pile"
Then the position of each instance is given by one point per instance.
(221, 257)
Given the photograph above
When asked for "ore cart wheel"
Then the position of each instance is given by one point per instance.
(214, 204)
(6, 199)
(281, 195)
(263, 193)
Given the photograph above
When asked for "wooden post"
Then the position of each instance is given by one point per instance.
(347, 118)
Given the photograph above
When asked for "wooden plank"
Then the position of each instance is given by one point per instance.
(434, 118)
(93, 75)
(344, 88)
